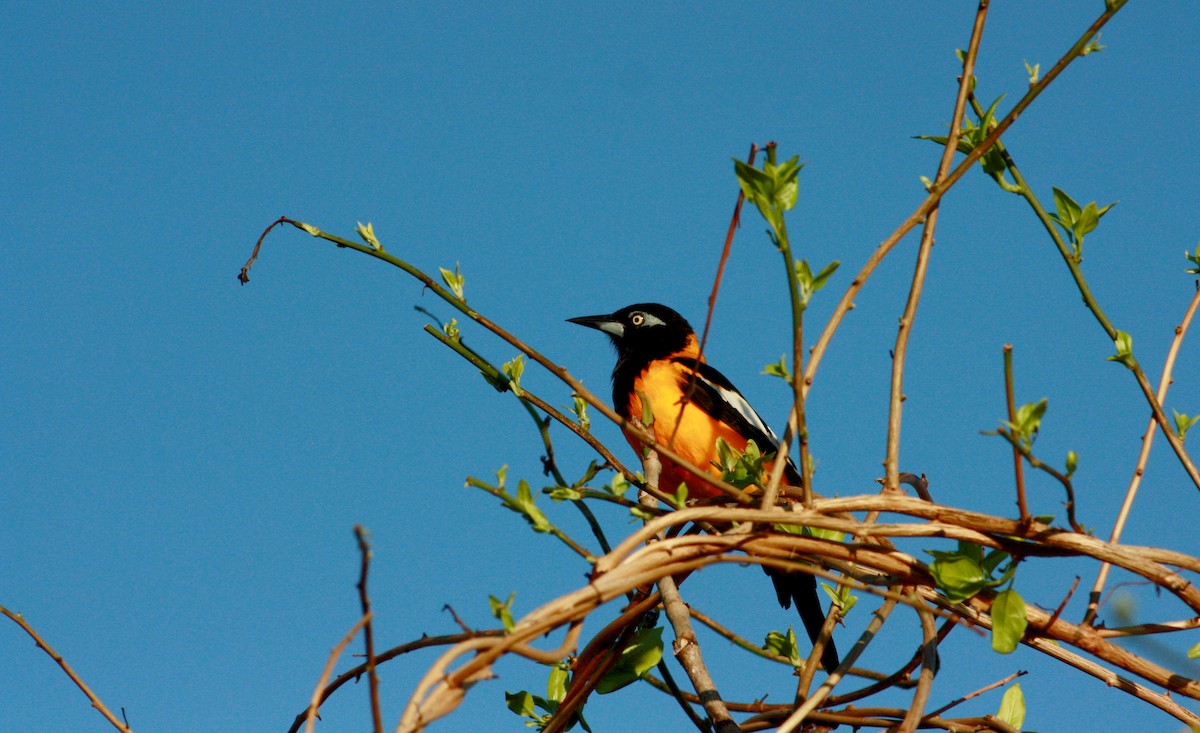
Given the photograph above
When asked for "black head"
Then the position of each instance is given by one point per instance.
(643, 332)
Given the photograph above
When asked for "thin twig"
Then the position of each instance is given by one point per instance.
(364, 549)
(986, 688)
(1018, 463)
(62, 663)
(936, 192)
(900, 350)
(315, 702)
(1164, 383)
(929, 665)
(357, 672)
(686, 647)
(799, 715)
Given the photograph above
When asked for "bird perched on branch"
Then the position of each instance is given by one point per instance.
(692, 404)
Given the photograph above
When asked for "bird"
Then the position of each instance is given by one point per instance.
(659, 361)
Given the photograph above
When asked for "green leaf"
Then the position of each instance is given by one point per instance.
(1033, 72)
(525, 506)
(564, 493)
(1008, 621)
(779, 369)
(1194, 652)
(742, 469)
(454, 280)
(681, 494)
(1183, 423)
(784, 645)
(451, 329)
(639, 656)
(1093, 46)
(520, 703)
(367, 232)
(832, 535)
(1195, 260)
(960, 577)
(502, 610)
(309, 228)
(556, 685)
(514, 369)
(1012, 707)
(1068, 210)
(641, 513)
(647, 411)
(619, 485)
(1072, 462)
(1124, 344)
(1028, 420)
(580, 411)
(845, 600)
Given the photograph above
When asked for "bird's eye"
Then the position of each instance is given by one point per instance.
(637, 319)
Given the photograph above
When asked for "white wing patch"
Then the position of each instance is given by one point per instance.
(739, 403)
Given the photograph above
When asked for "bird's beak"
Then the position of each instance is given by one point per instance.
(607, 324)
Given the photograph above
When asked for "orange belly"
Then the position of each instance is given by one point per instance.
(692, 434)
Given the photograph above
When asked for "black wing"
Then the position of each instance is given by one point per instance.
(716, 395)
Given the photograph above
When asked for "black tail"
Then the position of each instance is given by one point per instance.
(801, 589)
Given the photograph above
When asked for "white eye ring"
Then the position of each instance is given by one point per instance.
(637, 319)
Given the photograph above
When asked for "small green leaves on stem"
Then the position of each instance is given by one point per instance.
(1195, 260)
(451, 330)
(1124, 355)
(642, 654)
(1072, 463)
(842, 598)
(1093, 45)
(1183, 423)
(1194, 652)
(973, 134)
(1076, 221)
(522, 503)
(1033, 72)
(964, 573)
(742, 469)
(647, 410)
(1008, 620)
(513, 370)
(502, 611)
(1027, 421)
(619, 485)
(367, 232)
(810, 283)
(772, 188)
(579, 410)
(454, 280)
(526, 704)
(779, 369)
(1012, 707)
(784, 645)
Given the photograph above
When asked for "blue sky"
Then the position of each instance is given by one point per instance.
(184, 458)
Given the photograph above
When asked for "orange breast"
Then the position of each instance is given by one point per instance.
(692, 434)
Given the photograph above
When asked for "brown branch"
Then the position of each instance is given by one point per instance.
(686, 646)
(62, 663)
(357, 672)
(801, 713)
(373, 680)
(1164, 384)
(900, 351)
(315, 702)
(929, 665)
(1018, 463)
(986, 688)
(936, 192)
